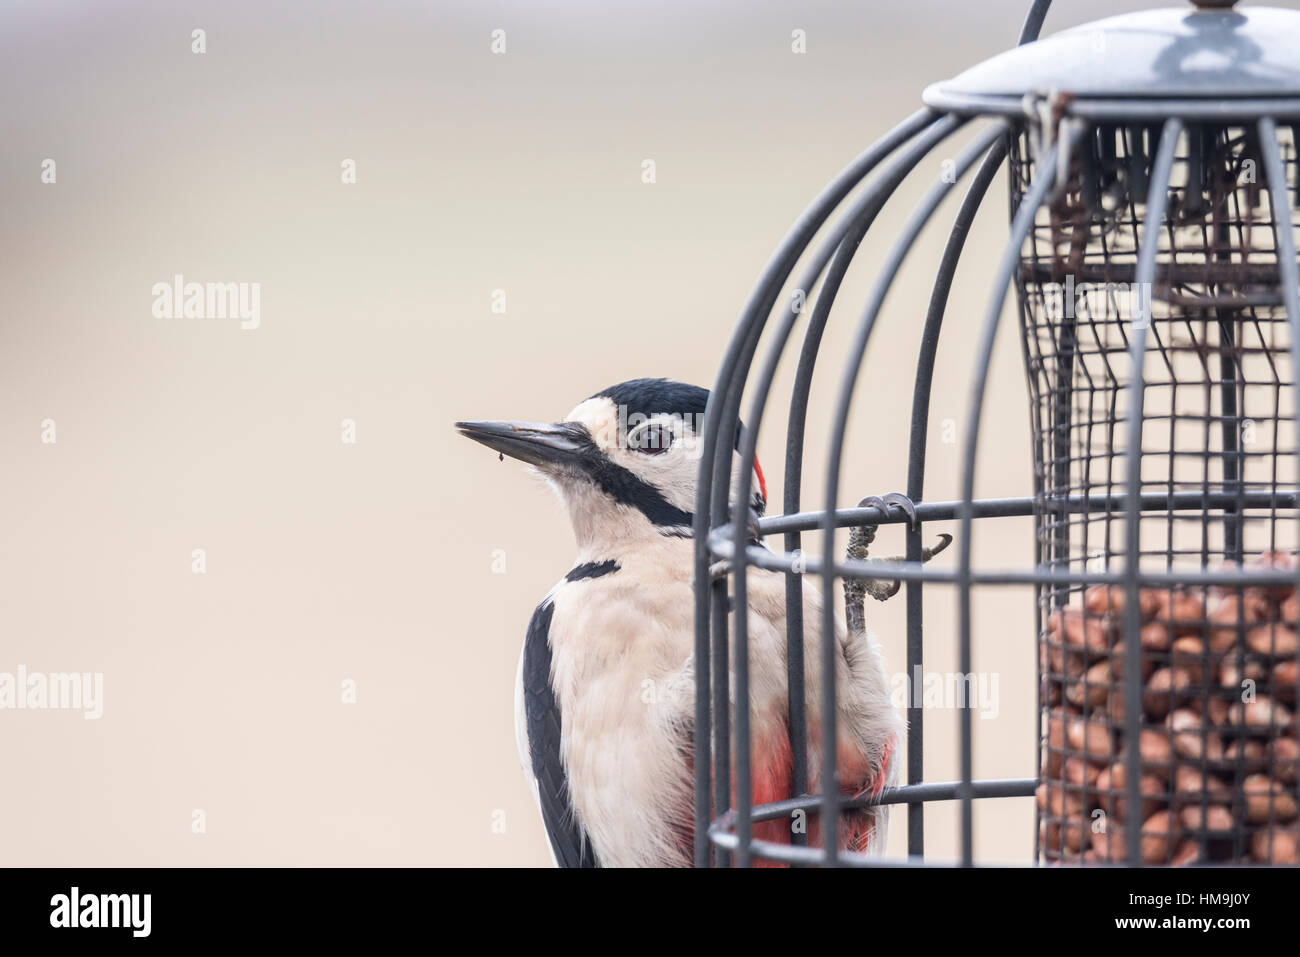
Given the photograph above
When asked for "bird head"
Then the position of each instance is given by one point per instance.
(625, 462)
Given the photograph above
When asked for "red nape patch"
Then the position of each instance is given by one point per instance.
(762, 482)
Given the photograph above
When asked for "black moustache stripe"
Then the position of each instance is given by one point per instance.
(626, 488)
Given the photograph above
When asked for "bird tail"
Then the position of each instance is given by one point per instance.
(864, 829)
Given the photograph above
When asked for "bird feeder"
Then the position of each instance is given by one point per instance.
(1152, 248)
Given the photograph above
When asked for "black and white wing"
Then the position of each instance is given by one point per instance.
(537, 727)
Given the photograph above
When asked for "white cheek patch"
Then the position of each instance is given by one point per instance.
(600, 418)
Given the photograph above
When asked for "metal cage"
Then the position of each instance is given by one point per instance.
(1153, 169)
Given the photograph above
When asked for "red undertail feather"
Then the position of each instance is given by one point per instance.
(858, 778)
(773, 766)
(859, 828)
(773, 780)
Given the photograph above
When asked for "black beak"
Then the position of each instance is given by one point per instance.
(546, 446)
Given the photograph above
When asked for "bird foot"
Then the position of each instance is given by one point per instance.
(861, 537)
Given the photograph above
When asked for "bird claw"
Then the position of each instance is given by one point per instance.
(897, 500)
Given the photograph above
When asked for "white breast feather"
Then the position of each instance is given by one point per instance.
(621, 667)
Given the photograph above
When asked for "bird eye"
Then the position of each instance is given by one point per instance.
(653, 439)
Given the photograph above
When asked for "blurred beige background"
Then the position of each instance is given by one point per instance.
(373, 562)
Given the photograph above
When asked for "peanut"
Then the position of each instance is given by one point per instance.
(1229, 615)
(1056, 721)
(1058, 836)
(1213, 710)
(1159, 834)
(1267, 800)
(1054, 801)
(1189, 654)
(1234, 673)
(1193, 785)
(1216, 817)
(1186, 853)
(1062, 660)
(1092, 738)
(1165, 689)
(1090, 635)
(1272, 639)
(1051, 693)
(1290, 609)
(1246, 751)
(1079, 774)
(1156, 749)
(1113, 796)
(1093, 689)
(1119, 656)
(1116, 706)
(1263, 713)
(1276, 846)
(1194, 739)
(1201, 651)
(1284, 759)
(1182, 611)
(1278, 561)
(1286, 679)
(1112, 599)
(1154, 636)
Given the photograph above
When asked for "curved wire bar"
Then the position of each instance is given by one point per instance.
(1148, 248)
(727, 425)
(843, 243)
(847, 238)
(838, 250)
(757, 306)
(1034, 21)
(878, 193)
(952, 251)
(889, 271)
(1044, 180)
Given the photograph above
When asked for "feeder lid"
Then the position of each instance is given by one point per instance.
(1209, 53)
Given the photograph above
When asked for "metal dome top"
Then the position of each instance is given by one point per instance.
(1203, 55)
